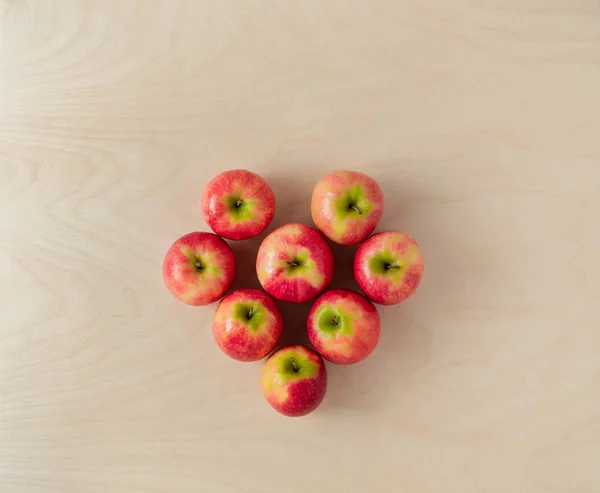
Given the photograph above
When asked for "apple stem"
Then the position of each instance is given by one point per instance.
(352, 206)
(294, 365)
(238, 203)
(291, 263)
(199, 265)
(392, 267)
(334, 320)
(250, 313)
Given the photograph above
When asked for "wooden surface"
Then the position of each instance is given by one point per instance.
(481, 120)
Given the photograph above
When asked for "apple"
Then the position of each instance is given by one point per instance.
(343, 326)
(294, 380)
(346, 206)
(388, 267)
(238, 204)
(247, 325)
(199, 268)
(294, 263)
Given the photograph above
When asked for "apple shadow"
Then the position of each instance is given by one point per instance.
(462, 275)
(292, 199)
(294, 316)
(245, 263)
(405, 341)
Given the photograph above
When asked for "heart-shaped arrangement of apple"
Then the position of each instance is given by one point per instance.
(294, 263)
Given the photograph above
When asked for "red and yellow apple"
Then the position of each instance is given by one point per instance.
(247, 325)
(346, 206)
(343, 326)
(238, 204)
(294, 380)
(294, 263)
(199, 268)
(388, 267)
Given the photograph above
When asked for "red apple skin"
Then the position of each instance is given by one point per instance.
(335, 218)
(246, 339)
(355, 330)
(256, 199)
(193, 285)
(294, 394)
(388, 287)
(289, 244)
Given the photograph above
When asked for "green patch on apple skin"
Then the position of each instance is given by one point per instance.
(295, 365)
(385, 264)
(240, 209)
(331, 320)
(353, 204)
(301, 262)
(252, 314)
(301, 265)
(201, 265)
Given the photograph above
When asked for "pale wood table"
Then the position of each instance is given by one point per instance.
(481, 120)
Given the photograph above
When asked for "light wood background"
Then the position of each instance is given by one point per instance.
(481, 120)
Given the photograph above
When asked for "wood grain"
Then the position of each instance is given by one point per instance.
(481, 120)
